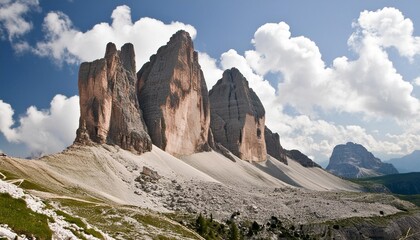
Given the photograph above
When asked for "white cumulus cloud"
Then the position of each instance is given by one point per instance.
(6, 121)
(367, 86)
(212, 73)
(387, 27)
(13, 23)
(317, 137)
(64, 43)
(43, 131)
(416, 81)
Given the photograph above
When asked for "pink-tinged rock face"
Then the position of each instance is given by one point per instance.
(238, 117)
(173, 96)
(109, 111)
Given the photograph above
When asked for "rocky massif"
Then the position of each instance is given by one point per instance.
(264, 199)
(174, 99)
(167, 103)
(238, 117)
(109, 111)
(352, 160)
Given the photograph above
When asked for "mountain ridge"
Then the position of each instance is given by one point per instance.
(407, 163)
(122, 174)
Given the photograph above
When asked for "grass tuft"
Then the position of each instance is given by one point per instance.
(23, 220)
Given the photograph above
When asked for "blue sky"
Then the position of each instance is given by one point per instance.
(327, 72)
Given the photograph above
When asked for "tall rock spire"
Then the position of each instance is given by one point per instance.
(174, 99)
(109, 111)
(238, 117)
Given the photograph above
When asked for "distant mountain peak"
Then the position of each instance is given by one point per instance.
(407, 163)
(352, 160)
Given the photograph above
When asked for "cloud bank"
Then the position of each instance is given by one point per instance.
(13, 23)
(42, 131)
(368, 86)
(64, 43)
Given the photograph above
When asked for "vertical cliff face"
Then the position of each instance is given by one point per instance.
(174, 99)
(274, 148)
(109, 110)
(238, 117)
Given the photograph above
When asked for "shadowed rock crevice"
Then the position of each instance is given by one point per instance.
(174, 99)
(109, 111)
(238, 117)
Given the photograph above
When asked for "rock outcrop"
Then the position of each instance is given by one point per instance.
(301, 158)
(174, 99)
(354, 161)
(274, 148)
(238, 117)
(109, 110)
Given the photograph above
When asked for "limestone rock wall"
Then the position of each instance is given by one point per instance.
(109, 111)
(174, 99)
(238, 117)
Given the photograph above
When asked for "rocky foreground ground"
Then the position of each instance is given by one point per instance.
(109, 187)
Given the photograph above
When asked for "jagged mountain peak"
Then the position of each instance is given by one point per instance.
(238, 117)
(109, 111)
(173, 96)
(180, 35)
(353, 160)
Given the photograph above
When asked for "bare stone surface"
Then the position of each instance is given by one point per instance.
(238, 117)
(274, 148)
(174, 99)
(109, 111)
